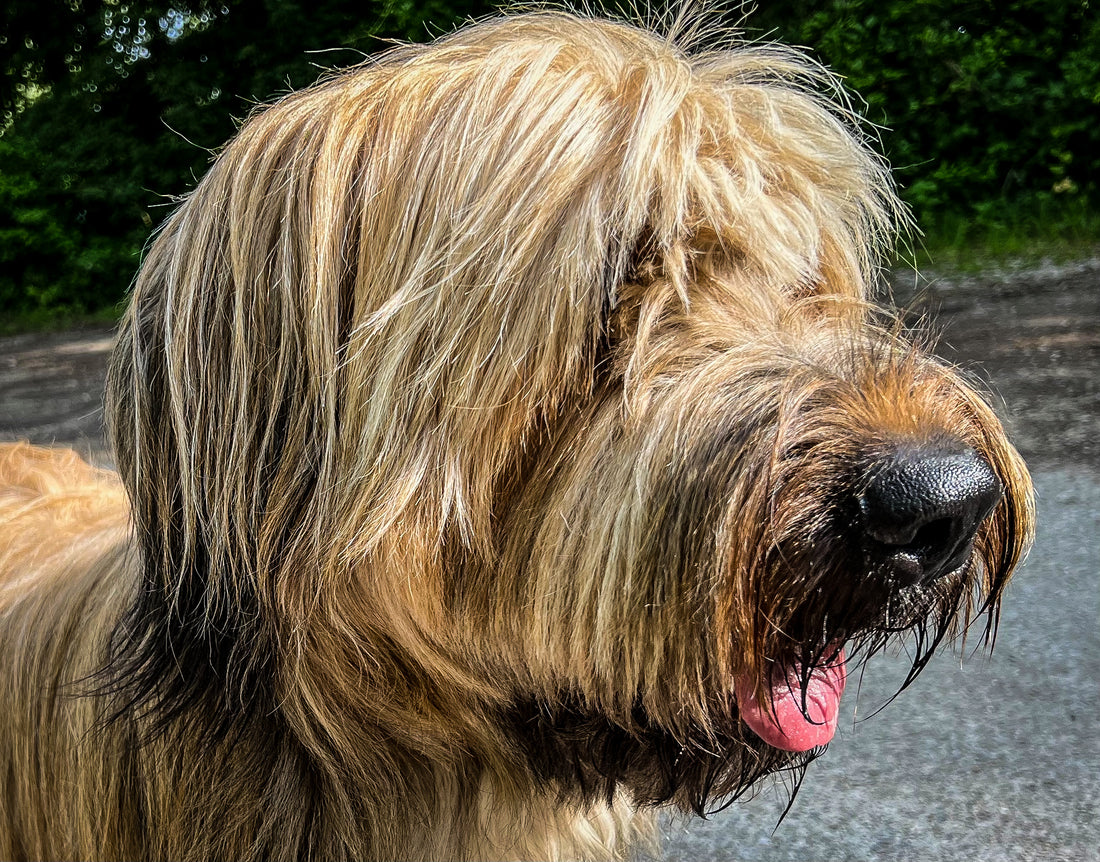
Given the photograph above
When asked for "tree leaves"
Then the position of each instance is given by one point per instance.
(114, 107)
(982, 102)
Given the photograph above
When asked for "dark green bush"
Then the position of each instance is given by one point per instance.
(990, 109)
(104, 131)
(62, 248)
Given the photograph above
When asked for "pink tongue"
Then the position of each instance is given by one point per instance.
(782, 723)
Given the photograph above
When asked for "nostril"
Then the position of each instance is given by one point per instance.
(922, 509)
(937, 534)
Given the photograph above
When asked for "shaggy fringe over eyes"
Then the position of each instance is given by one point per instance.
(323, 292)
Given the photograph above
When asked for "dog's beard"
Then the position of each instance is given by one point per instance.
(579, 751)
(755, 728)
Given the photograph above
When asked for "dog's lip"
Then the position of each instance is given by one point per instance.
(804, 708)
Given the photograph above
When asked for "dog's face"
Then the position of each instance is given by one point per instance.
(532, 375)
(761, 491)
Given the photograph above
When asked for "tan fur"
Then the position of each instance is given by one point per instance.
(461, 408)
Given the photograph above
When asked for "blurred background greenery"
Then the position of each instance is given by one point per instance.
(109, 109)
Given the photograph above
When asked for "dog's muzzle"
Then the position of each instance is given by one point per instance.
(922, 510)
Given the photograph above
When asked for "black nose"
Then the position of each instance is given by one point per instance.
(922, 509)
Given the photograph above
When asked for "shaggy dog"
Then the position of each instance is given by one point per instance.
(508, 447)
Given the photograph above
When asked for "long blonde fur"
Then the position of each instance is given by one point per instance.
(380, 403)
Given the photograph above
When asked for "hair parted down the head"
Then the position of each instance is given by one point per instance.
(474, 410)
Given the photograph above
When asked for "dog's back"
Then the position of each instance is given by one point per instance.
(52, 504)
(63, 547)
(56, 486)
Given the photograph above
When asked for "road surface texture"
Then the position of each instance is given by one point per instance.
(983, 759)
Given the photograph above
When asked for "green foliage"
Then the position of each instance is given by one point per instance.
(63, 247)
(1053, 231)
(114, 108)
(990, 109)
(110, 108)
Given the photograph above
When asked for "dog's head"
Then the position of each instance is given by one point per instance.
(530, 380)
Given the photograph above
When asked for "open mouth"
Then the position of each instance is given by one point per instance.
(804, 703)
